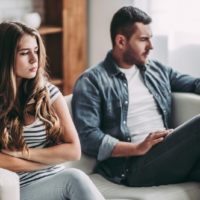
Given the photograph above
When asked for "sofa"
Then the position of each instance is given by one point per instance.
(9, 185)
(185, 105)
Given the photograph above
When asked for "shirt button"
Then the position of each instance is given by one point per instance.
(124, 122)
(123, 175)
(125, 84)
(126, 102)
(129, 139)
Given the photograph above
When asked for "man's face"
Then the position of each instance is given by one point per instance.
(138, 46)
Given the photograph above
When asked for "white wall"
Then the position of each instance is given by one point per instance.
(16, 9)
(177, 49)
(100, 13)
(185, 54)
(177, 22)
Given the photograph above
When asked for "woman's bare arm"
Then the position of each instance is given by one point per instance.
(70, 148)
(19, 165)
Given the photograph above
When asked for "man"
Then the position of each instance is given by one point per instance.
(122, 111)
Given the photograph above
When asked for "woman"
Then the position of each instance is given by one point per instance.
(36, 131)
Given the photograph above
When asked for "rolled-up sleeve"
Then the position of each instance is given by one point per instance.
(86, 109)
(106, 147)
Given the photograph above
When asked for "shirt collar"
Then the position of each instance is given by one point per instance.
(110, 65)
(113, 69)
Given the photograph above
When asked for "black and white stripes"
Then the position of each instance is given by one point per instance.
(35, 137)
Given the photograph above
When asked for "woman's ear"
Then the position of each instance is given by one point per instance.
(120, 41)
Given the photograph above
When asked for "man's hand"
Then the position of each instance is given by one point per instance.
(151, 140)
(138, 149)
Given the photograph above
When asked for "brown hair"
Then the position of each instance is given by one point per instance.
(15, 102)
(124, 19)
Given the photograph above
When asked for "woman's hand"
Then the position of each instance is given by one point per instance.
(16, 154)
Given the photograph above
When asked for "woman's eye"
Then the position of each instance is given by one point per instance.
(24, 53)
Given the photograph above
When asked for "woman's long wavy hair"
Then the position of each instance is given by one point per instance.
(31, 97)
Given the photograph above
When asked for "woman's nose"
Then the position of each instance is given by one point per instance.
(33, 57)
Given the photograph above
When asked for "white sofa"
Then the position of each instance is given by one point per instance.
(9, 185)
(184, 106)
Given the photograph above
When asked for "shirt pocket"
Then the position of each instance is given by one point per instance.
(113, 107)
(112, 114)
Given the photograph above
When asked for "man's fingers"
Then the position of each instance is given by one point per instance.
(157, 135)
(156, 141)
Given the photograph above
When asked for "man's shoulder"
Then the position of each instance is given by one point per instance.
(154, 64)
(95, 71)
(94, 77)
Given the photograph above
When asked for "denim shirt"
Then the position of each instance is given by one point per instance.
(100, 107)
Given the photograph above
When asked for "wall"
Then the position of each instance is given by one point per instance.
(15, 9)
(183, 56)
(176, 34)
(100, 13)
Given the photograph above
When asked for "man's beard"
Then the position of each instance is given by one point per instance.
(130, 59)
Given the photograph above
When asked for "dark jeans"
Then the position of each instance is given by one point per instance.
(176, 159)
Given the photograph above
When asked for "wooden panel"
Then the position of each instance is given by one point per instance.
(64, 32)
(75, 48)
(53, 43)
(44, 30)
(53, 12)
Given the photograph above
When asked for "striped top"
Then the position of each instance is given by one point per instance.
(35, 137)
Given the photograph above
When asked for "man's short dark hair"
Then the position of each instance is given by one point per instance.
(124, 19)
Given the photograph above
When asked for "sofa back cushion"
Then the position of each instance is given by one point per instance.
(86, 163)
(184, 107)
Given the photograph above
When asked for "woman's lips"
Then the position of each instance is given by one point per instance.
(33, 69)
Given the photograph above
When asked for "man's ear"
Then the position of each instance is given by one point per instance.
(120, 41)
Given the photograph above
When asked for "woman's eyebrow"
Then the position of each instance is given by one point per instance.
(25, 49)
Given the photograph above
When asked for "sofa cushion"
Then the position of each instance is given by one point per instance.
(86, 164)
(184, 107)
(183, 191)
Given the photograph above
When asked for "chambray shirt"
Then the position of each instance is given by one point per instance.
(100, 107)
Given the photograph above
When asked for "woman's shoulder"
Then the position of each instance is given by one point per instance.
(53, 91)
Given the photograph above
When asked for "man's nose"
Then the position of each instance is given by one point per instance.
(150, 44)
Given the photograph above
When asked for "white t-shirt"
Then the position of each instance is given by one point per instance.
(143, 114)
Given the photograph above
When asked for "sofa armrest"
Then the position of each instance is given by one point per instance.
(86, 163)
(9, 185)
(184, 107)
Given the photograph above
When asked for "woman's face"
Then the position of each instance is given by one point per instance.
(26, 59)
